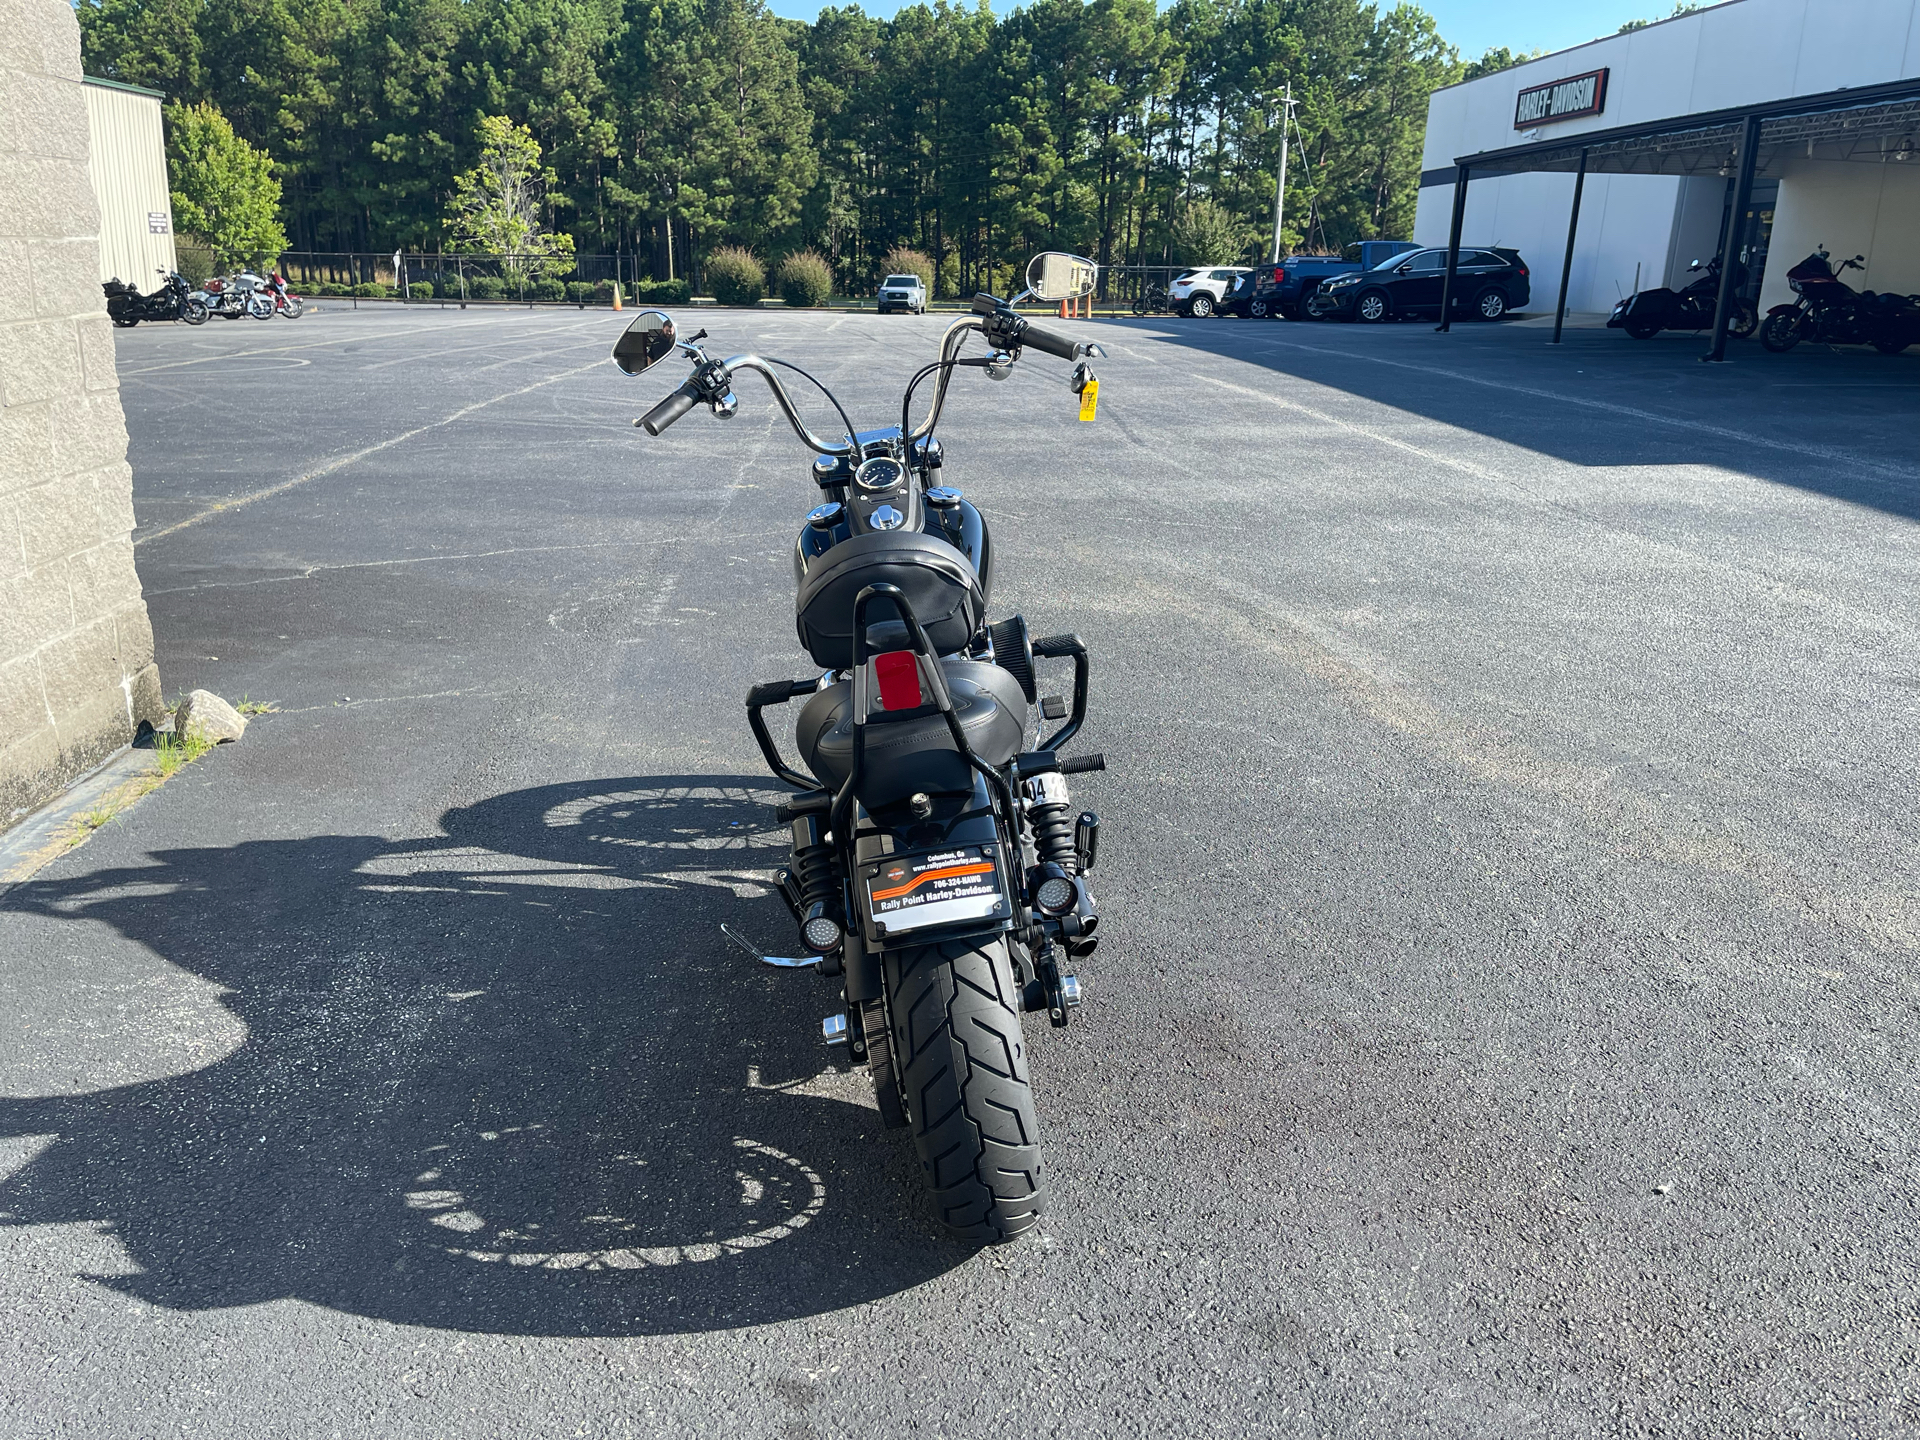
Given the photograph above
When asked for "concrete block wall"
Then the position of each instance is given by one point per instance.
(76, 650)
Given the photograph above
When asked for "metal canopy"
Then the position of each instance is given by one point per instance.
(1869, 125)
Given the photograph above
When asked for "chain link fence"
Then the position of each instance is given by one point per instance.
(461, 279)
(455, 279)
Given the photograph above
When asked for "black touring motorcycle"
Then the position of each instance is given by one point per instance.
(938, 868)
(174, 300)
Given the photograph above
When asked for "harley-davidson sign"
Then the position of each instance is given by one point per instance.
(1567, 99)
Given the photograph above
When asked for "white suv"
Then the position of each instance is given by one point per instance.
(1199, 292)
(903, 292)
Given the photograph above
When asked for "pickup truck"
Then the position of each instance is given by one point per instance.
(1284, 288)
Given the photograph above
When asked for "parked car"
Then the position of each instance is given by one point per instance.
(1199, 292)
(903, 292)
(1283, 289)
(1489, 283)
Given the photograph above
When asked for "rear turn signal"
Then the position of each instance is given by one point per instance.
(820, 931)
(898, 672)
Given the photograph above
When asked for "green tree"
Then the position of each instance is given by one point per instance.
(497, 205)
(1210, 234)
(224, 191)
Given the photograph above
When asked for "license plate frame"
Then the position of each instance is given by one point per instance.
(913, 891)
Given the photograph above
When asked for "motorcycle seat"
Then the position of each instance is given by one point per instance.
(938, 581)
(915, 751)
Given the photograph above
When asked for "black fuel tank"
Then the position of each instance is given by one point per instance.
(961, 526)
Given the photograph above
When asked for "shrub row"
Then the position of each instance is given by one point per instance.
(493, 287)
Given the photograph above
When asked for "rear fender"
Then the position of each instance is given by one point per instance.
(962, 833)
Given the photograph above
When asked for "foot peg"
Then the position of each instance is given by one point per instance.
(779, 962)
(833, 1029)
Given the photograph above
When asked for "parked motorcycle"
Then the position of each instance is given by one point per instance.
(174, 300)
(1647, 312)
(1831, 310)
(229, 298)
(938, 869)
(285, 302)
(1154, 302)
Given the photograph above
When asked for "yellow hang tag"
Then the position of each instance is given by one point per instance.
(1089, 399)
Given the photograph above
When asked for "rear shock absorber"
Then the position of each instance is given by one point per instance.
(816, 874)
(1047, 807)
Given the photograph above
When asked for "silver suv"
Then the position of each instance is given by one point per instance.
(903, 292)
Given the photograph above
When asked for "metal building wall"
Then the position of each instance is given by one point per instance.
(128, 169)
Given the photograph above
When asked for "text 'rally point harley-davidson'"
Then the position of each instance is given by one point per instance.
(938, 869)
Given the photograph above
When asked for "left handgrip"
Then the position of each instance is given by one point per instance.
(671, 408)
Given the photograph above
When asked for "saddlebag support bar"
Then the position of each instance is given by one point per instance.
(778, 692)
(1058, 647)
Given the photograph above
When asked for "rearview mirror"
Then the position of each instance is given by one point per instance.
(1056, 275)
(646, 342)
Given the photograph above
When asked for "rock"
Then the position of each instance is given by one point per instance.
(206, 715)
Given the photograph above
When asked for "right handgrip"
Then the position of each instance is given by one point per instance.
(671, 408)
(1049, 343)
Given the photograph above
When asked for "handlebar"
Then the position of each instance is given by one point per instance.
(1001, 326)
(671, 408)
(1045, 341)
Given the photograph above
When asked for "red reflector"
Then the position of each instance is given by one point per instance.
(898, 672)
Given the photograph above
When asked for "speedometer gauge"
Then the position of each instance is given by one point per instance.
(880, 473)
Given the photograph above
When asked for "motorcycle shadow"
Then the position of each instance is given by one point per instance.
(511, 1080)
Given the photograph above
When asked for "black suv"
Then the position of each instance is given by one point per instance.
(1489, 283)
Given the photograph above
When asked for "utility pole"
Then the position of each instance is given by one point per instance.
(1287, 102)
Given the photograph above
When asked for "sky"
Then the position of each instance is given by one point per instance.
(1473, 25)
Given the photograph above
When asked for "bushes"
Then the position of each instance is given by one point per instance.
(370, 290)
(659, 292)
(806, 280)
(903, 261)
(547, 288)
(582, 292)
(486, 287)
(419, 290)
(735, 276)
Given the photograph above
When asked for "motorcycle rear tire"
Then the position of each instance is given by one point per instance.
(1780, 333)
(962, 1065)
(194, 312)
(295, 307)
(1743, 321)
(1641, 329)
(125, 322)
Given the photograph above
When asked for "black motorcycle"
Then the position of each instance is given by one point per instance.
(938, 869)
(1831, 310)
(1155, 301)
(1646, 313)
(174, 300)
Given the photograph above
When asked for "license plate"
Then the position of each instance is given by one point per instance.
(923, 889)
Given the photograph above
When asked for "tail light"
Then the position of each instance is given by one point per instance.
(1523, 272)
(898, 672)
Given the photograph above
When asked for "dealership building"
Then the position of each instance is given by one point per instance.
(1802, 115)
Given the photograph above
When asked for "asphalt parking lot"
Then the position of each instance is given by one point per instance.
(1504, 1021)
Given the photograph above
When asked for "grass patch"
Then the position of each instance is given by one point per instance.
(172, 753)
(250, 707)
